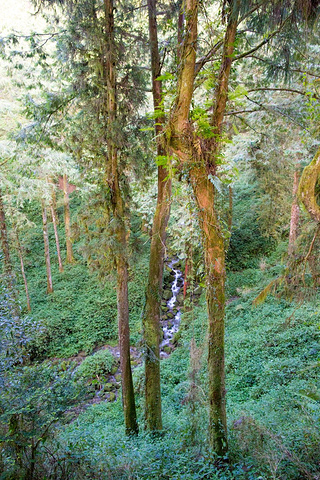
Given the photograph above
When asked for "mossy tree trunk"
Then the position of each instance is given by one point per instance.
(119, 226)
(66, 202)
(55, 228)
(295, 213)
(23, 273)
(46, 247)
(152, 311)
(4, 243)
(199, 156)
(307, 187)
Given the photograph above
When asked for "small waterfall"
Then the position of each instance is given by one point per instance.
(171, 326)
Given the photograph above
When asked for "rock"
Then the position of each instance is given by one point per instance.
(164, 317)
(170, 315)
(164, 308)
(114, 369)
(163, 303)
(170, 324)
(112, 397)
(167, 349)
(118, 377)
(180, 298)
(117, 385)
(167, 294)
(108, 387)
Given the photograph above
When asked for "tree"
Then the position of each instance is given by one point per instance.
(152, 309)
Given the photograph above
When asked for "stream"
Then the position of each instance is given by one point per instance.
(170, 325)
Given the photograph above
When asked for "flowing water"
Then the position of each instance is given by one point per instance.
(171, 325)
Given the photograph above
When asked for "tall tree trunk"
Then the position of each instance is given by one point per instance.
(23, 272)
(66, 201)
(120, 231)
(295, 211)
(200, 155)
(55, 227)
(5, 243)
(152, 311)
(46, 247)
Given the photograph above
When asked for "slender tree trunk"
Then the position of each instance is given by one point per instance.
(120, 231)
(152, 311)
(23, 272)
(200, 157)
(5, 243)
(46, 247)
(55, 227)
(295, 211)
(70, 258)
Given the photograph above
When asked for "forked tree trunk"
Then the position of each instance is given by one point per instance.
(20, 253)
(200, 156)
(46, 247)
(152, 311)
(120, 231)
(70, 258)
(295, 211)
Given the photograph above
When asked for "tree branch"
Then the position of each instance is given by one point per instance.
(264, 42)
(290, 90)
(206, 58)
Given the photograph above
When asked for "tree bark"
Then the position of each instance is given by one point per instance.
(70, 258)
(5, 243)
(23, 272)
(199, 156)
(307, 185)
(55, 227)
(46, 247)
(295, 213)
(152, 311)
(120, 231)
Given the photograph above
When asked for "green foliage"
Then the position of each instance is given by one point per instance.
(100, 363)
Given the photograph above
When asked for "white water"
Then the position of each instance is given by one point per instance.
(171, 326)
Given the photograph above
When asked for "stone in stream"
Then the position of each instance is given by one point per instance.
(163, 303)
(180, 298)
(170, 315)
(167, 294)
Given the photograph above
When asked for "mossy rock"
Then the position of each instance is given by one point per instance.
(170, 324)
(180, 298)
(167, 349)
(114, 369)
(112, 397)
(118, 377)
(109, 386)
(163, 303)
(117, 385)
(167, 294)
(170, 315)
(165, 308)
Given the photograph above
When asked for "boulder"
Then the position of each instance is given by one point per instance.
(112, 397)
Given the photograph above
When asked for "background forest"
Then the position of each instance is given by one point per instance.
(159, 256)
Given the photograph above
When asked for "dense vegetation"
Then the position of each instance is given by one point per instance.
(159, 218)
